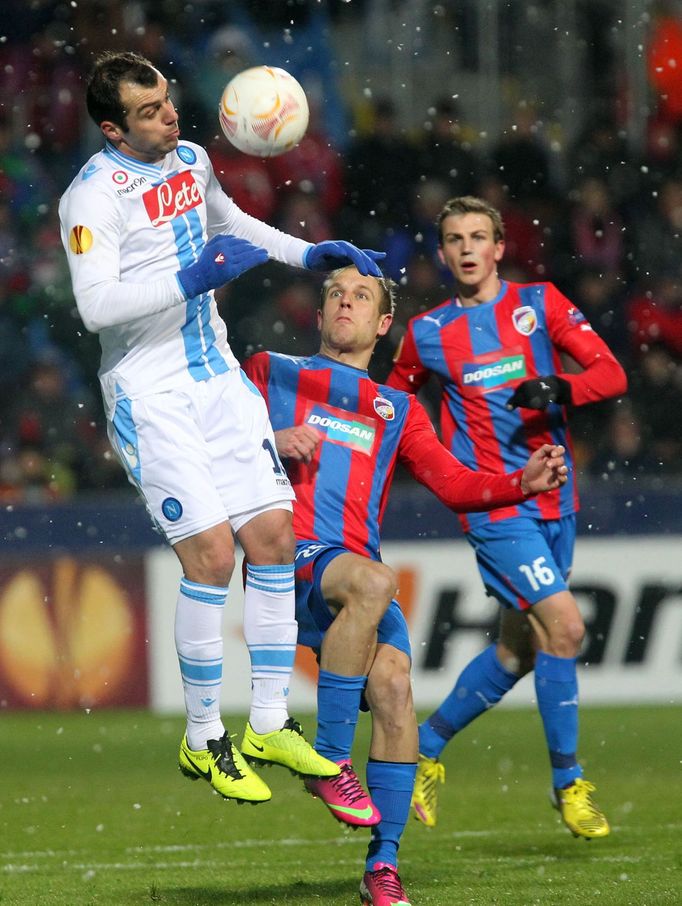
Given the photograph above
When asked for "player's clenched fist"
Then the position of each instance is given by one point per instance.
(298, 443)
(545, 469)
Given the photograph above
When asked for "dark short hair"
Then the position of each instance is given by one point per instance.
(388, 287)
(469, 204)
(103, 92)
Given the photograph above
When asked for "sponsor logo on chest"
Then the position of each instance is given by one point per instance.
(345, 428)
(172, 198)
(494, 374)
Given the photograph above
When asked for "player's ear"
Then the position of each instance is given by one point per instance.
(384, 325)
(110, 130)
(319, 319)
(499, 249)
(441, 256)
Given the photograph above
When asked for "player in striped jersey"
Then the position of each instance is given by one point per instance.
(496, 348)
(149, 235)
(341, 436)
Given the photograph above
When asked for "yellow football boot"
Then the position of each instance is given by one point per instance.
(580, 814)
(289, 748)
(221, 764)
(430, 772)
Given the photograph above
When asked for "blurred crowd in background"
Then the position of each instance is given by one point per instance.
(605, 227)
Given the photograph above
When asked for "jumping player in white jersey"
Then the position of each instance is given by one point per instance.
(149, 234)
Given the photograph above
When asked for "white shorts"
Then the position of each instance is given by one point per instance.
(201, 455)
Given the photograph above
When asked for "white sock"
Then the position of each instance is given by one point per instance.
(199, 643)
(270, 630)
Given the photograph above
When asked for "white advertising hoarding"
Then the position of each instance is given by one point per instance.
(629, 590)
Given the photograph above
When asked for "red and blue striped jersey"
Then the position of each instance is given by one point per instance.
(365, 429)
(480, 354)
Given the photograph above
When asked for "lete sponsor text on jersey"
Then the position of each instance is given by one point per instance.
(171, 198)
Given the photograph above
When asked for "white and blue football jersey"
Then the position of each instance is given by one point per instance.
(128, 227)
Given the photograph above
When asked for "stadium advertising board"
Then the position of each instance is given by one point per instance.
(629, 589)
(73, 632)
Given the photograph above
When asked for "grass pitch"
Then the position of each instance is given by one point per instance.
(94, 811)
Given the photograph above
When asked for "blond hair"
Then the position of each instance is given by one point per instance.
(387, 301)
(470, 204)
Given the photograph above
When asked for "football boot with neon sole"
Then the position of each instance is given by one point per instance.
(383, 887)
(345, 798)
(287, 747)
(430, 772)
(580, 814)
(221, 764)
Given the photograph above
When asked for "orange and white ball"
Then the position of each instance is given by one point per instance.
(264, 111)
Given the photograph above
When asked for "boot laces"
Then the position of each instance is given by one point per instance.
(348, 785)
(388, 881)
(222, 751)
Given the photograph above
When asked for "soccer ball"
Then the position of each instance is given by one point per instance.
(263, 111)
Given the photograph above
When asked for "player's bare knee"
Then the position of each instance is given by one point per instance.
(369, 589)
(575, 633)
(269, 538)
(282, 548)
(280, 538)
(211, 564)
(389, 687)
(565, 638)
(375, 581)
(364, 611)
(398, 691)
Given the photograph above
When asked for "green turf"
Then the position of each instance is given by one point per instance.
(94, 811)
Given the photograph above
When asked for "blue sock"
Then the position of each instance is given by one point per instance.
(556, 688)
(338, 704)
(479, 686)
(390, 786)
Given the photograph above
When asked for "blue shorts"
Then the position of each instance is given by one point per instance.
(314, 615)
(524, 560)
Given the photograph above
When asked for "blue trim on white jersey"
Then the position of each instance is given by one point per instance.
(131, 163)
(203, 359)
(126, 434)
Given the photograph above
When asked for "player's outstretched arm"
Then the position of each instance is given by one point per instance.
(327, 256)
(222, 259)
(545, 470)
(298, 443)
